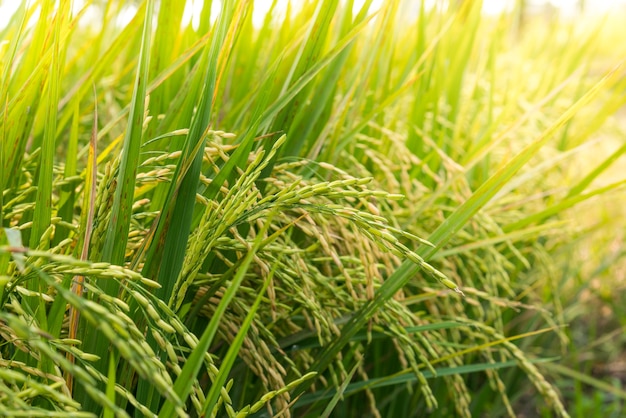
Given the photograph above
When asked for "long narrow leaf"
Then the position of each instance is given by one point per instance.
(183, 384)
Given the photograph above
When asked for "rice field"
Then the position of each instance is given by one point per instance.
(311, 209)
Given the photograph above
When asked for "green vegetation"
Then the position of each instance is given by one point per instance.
(342, 211)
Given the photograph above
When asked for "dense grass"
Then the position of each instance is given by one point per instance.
(341, 211)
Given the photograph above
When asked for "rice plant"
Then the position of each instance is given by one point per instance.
(323, 208)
